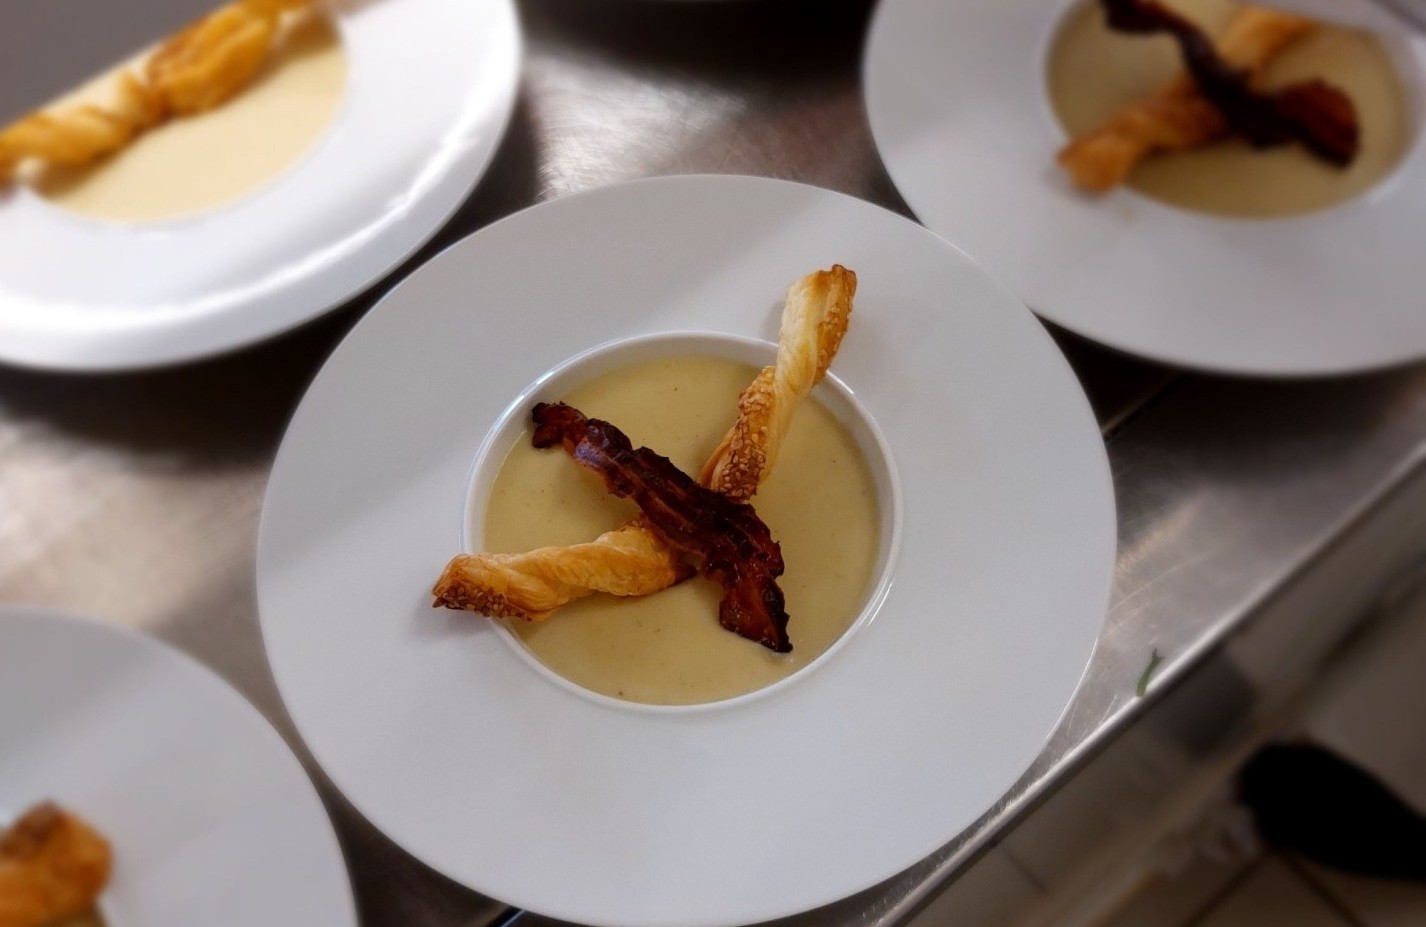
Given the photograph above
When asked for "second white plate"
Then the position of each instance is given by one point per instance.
(461, 752)
(957, 101)
(211, 818)
(430, 87)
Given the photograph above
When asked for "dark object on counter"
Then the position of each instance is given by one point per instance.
(1313, 802)
(1313, 112)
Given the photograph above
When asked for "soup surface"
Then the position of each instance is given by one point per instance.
(199, 163)
(1092, 71)
(668, 648)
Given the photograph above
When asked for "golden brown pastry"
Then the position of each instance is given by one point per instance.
(52, 866)
(195, 70)
(205, 64)
(630, 560)
(814, 319)
(84, 133)
(1177, 117)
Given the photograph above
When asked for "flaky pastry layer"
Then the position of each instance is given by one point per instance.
(197, 69)
(631, 560)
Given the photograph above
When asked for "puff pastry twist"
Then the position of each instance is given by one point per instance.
(631, 560)
(197, 69)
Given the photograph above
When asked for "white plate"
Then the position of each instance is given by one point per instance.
(430, 87)
(955, 92)
(523, 789)
(211, 818)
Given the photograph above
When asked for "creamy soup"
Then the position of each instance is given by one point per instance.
(1094, 71)
(668, 648)
(202, 162)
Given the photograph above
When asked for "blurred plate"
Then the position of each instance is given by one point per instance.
(524, 789)
(211, 818)
(80, 294)
(957, 101)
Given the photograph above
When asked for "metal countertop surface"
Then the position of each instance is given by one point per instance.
(135, 498)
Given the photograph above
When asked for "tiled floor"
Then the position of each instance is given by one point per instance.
(1371, 713)
(1370, 902)
(1374, 716)
(1180, 899)
(992, 892)
(1273, 893)
(1275, 890)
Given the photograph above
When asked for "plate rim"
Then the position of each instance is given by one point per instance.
(1084, 412)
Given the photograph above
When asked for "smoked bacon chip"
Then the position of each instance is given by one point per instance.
(1315, 113)
(726, 540)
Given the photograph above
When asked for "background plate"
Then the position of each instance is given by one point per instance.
(955, 93)
(79, 294)
(212, 819)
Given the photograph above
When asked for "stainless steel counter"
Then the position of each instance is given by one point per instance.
(136, 498)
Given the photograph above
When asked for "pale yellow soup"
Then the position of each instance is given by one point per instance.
(1093, 71)
(199, 163)
(668, 648)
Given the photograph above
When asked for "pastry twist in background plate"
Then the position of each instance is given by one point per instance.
(52, 866)
(631, 560)
(85, 133)
(199, 68)
(205, 64)
(1178, 117)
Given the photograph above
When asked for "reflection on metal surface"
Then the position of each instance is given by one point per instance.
(136, 498)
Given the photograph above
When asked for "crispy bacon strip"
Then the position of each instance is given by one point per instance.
(726, 539)
(630, 559)
(1314, 112)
